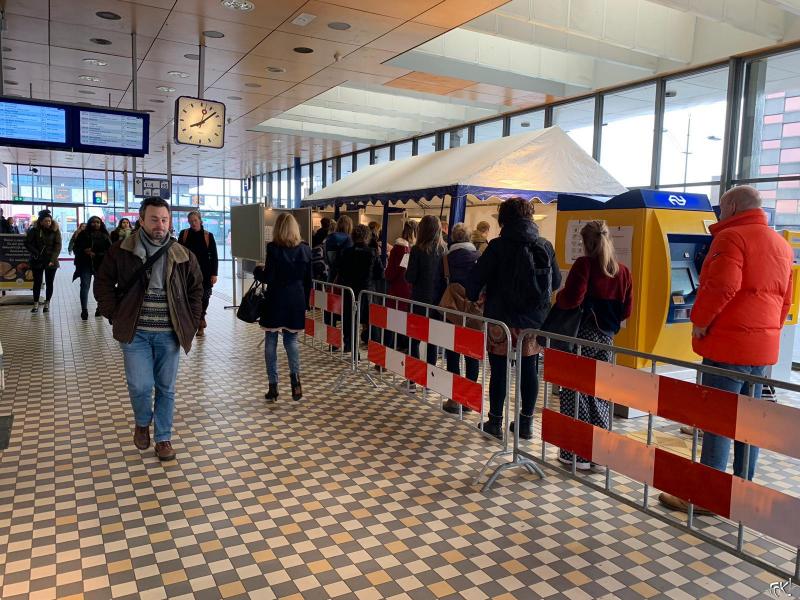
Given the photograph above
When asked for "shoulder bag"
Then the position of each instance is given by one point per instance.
(249, 309)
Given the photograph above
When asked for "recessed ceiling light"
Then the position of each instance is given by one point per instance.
(164, 88)
(213, 34)
(303, 19)
(149, 110)
(525, 124)
(9, 68)
(252, 85)
(91, 78)
(276, 69)
(108, 15)
(192, 56)
(242, 5)
(303, 50)
(339, 26)
(95, 62)
(100, 41)
(156, 101)
(6, 49)
(87, 92)
(178, 74)
(234, 97)
(670, 93)
(9, 82)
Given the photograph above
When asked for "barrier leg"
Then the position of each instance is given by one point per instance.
(517, 461)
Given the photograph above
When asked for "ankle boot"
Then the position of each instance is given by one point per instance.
(46, 307)
(84, 314)
(272, 393)
(35, 308)
(494, 426)
(525, 427)
(297, 389)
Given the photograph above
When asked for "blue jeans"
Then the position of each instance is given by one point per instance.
(271, 354)
(86, 285)
(151, 360)
(717, 448)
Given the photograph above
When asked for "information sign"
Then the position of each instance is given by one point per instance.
(99, 197)
(144, 187)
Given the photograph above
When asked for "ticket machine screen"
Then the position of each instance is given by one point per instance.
(682, 281)
(686, 253)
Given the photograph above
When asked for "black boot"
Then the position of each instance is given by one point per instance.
(272, 393)
(97, 312)
(525, 427)
(494, 426)
(297, 389)
(84, 314)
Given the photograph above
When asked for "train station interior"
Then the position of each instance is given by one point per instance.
(383, 476)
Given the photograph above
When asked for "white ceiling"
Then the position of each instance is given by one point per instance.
(403, 68)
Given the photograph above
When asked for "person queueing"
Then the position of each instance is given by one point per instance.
(519, 272)
(741, 306)
(202, 243)
(604, 288)
(359, 269)
(122, 230)
(43, 241)
(152, 288)
(480, 237)
(75, 234)
(287, 273)
(319, 263)
(460, 258)
(91, 247)
(395, 275)
(426, 275)
(337, 242)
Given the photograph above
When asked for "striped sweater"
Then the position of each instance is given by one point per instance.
(154, 314)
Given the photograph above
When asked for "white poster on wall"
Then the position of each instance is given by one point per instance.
(622, 236)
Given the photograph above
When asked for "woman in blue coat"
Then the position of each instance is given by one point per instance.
(287, 274)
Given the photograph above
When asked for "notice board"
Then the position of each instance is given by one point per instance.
(15, 270)
(247, 232)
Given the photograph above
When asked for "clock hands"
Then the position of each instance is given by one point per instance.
(199, 123)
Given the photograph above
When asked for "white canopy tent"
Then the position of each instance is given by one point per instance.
(539, 164)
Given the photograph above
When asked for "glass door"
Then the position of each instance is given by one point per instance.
(68, 219)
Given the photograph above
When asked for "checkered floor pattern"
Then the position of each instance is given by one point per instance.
(361, 495)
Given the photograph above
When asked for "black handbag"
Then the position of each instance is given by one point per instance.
(562, 321)
(249, 309)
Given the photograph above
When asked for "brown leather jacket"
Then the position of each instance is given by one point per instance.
(184, 291)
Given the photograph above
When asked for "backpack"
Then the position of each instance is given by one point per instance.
(319, 266)
(531, 277)
(185, 236)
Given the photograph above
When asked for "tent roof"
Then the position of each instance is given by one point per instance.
(541, 163)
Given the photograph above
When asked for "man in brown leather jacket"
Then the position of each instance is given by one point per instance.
(151, 288)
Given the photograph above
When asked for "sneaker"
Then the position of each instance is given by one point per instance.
(35, 308)
(272, 393)
(164, 451)
(46, 307)
(141, 437)
(84, 314)
(580, 465)
(675, 503)
(97, 313)
(297, 388)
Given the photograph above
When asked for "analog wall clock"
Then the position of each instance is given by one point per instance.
(199, 122)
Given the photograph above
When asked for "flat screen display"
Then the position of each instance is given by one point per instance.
(682, 281)
(112, 132)
(33, 124)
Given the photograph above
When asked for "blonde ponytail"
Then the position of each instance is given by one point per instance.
(598, 245)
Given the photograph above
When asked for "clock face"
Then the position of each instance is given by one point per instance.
(199, 122)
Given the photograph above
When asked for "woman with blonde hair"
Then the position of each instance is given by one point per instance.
(287, 273)
(602, 285)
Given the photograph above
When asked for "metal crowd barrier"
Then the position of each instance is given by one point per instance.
(462, 333)
(766, 425)
(331, 306)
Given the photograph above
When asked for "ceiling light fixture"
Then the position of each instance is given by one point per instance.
(91, 78)
(234, 97)
(670, 93)
(100, 41)
(9, 68)
(6, 49)
(95, 62)
(303, 50)
(214, 34)
(339, 26)
(192, 56)
(156, 101)
(303, 19)
(276, 69)
(242, 5)
(87, 92)
(165, 88)
(108, 15)
(9, 82)
(178, 74)
(252, 85)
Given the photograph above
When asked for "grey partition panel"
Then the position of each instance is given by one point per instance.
(395, 230)
(247, 231)
(302, 215)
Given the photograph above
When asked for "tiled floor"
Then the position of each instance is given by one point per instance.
(365, 494)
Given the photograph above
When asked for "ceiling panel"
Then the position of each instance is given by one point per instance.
(452, 13)
(281, 45)
(25, 51)
(266, 14)
(64, 35)
(188, 29)
(363, 26)
(25, 29)
(405, 9)
(407, 36)
(257, 85)
(370, 60)
(144, 20)
(274, 68)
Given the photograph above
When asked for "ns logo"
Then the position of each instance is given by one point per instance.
(676, 200)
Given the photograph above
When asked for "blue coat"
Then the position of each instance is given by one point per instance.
(287, 274)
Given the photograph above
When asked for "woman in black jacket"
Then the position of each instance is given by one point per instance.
(43, 241)
(90, 249)
(287, 273)
(425, 274)
(519, 271)
(359, 269)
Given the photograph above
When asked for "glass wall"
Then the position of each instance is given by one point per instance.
(626, 145)
(362, 159)
(455, 138)
(488, 131)
(316, 177)
(403, 150)
(426, 145)
(529, 121)
(345, 165)
(577, 120)
(382, 154)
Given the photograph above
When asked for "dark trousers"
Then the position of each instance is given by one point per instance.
(206, 299)
(48, 275)
(497, 383)
(388, 341)
(472, 365)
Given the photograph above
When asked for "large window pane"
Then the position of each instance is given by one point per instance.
(403, 150)
(426, 145)
(184, 190)
(455, 138)
(34, 184)
(381, 155)
(627, 142)
(362, 159)
(305, 181)
(276, 191)
(68, 186)
(330, 171)
(489, 131)
(530, 121)
(345, 165)
(694, 125)
(316, 177)
(577, 120)
(285, 187)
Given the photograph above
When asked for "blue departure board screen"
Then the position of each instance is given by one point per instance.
(33, 124)
(110, 131)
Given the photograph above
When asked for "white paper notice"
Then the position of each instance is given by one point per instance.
(574, 247)
(622, 236)
(268, 233)
(404, 260)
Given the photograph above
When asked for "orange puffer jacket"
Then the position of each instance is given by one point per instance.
(745, 292)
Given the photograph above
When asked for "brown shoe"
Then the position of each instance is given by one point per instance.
(141, 437)
(164, 451)
(200, 332)
(675, 503)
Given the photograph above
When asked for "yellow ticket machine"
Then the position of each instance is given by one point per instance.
(662, 237)
(783, 369)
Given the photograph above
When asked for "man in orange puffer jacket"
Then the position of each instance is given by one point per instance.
(741, 306)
